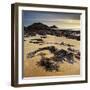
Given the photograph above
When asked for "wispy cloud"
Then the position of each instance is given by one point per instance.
(62, 20)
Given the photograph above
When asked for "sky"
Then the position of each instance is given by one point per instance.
(61, 20)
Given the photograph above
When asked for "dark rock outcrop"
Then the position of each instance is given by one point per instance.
(42, 29)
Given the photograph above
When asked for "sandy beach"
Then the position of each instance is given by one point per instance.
(31, 69)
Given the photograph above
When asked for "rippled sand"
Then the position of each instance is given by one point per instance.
(31, 69)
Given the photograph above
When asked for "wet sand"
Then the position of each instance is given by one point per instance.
(31, 69)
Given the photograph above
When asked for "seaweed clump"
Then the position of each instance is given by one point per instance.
(48, 64)
(60, 55)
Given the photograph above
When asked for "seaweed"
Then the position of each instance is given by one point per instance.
(48, 64)
(53, 63)
(59, 55)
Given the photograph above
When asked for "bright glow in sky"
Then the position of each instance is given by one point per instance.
(61, 20)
